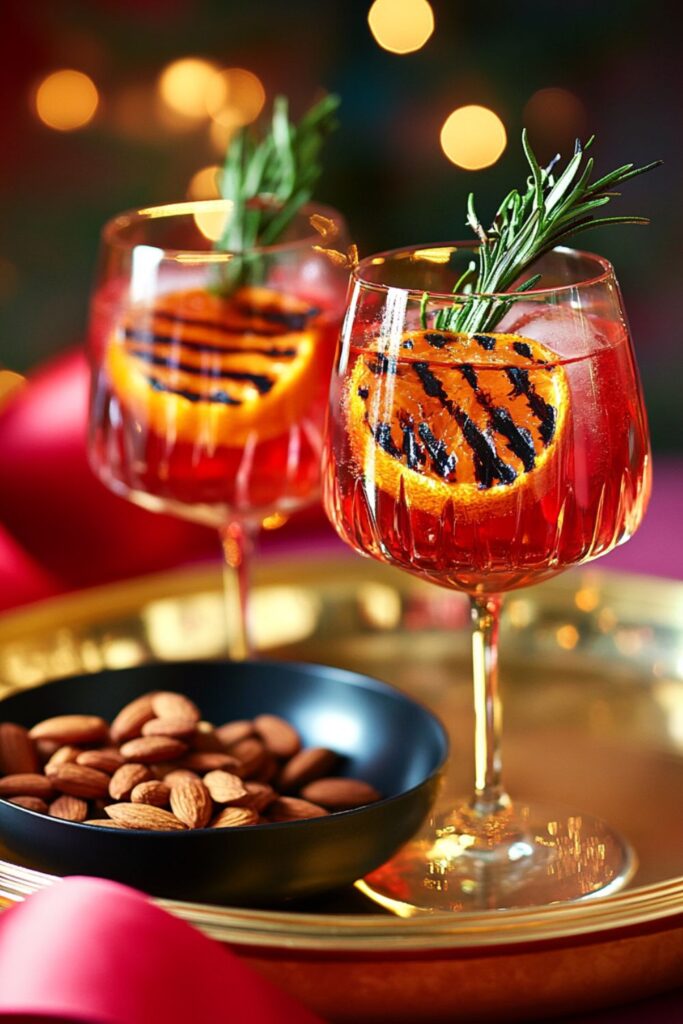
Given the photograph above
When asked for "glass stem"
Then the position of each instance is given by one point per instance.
(489, 794)
(238, 539)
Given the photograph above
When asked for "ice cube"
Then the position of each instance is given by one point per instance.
(567, 331)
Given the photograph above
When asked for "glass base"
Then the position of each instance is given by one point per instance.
(522, 856)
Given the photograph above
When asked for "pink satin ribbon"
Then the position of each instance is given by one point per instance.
(86, 949)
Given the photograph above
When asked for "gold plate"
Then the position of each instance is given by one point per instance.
(592, 667)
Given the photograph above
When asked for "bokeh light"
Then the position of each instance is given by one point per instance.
(220, 136)
(204, 183)
(212, 217)
(184, 86)
(66, 100)
(235, 97)
(473, 137)
(554, 118)
(401, 26)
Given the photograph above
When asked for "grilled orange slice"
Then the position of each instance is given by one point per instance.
(197, 367)
(467, 419)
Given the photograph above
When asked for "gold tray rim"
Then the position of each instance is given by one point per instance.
(633, 909)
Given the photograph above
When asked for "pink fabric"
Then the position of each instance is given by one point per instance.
(90, 950)
(71, 531)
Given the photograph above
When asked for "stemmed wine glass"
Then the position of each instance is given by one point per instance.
(210, 372)
(485, 462)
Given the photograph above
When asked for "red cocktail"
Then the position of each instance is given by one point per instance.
(211, 369)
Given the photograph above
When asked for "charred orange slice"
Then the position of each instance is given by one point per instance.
(467, 419)
(199, 368)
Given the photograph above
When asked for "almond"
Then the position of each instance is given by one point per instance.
(70, 808)
(258, 796)
(279, 736)
(130, 720)
(178, 728)
(177, 775)
(148, 749)
(104, 823)
(340, 794)
(105, 760)
(207, 762)
(251, 754)
(233, 817)
(233, 732)
(191, 803)
(155, 793)
(63, 755)
(206, 739)
(310, 763)
(17, 753)
(45, 749)
(175, 705)
(144, 816)
(26, 784)
(126, 778)
(31, 803)
(224, 787)
(72, 729)
(290, 808)
(268, 770)
(78, 780)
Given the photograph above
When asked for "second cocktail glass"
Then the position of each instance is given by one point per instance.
(485, 462)
(208, 401)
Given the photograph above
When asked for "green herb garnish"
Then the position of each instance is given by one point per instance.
(268, 180)
(525, 227)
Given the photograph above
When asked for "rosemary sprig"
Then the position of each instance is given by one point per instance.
(268, 179)
(527, 225)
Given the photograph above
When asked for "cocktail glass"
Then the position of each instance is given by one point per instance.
(484, 463)
(210, 372)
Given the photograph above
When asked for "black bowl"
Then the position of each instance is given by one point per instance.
(383, 736)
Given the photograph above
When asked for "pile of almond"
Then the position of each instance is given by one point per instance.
(160, 766)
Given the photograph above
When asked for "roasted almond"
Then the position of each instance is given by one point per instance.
(268, 770)
(224, 787)
(103, 760)
(126, 778)
(251, 754)
(175, 705)
(205, 738)
(77, 780)
(191, 803)
(201, 762)
(70, 808)
(130, 720)
(31, 803)
(144, 816)
(340, 794)
(233, 732)
(104, 823)
(63, 755)
(279, 736)
(17, 752)
(26, 784)
(233, 817)
(258, 796)
(155, 793)
(177, 775)
(310, 763)
(177, 728)
(291, 808)
(82, 729)
(148, 749)
(45, 749)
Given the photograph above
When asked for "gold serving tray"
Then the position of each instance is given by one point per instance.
(592, 668)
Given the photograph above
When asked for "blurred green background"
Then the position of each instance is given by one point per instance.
(614, 70)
